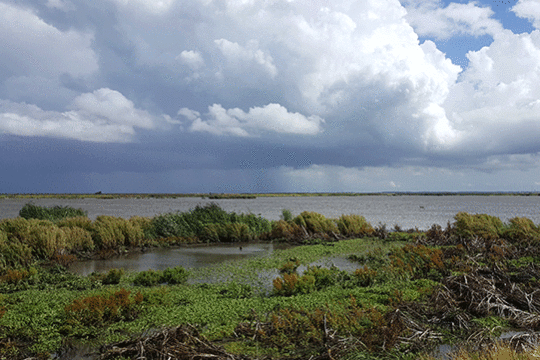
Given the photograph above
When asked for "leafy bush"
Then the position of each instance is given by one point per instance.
(483, 226)
(78, 239)
(364, 276)
(54, 213)
(316, 223)
(282, 229)
(235, 232)
(148, 278)
(290, 266)
(521, 229)
(101, 309)
(210, 223)
(286, 215)
(324, 277)
(78, 221)
(176, 275)
(113, 276)
(292, 284)
(354, 225)
(109, 232)
(417, 261)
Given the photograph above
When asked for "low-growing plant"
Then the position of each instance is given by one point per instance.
(98, 310)
(417, 260)
(148, 278)
(364, 276)
(176, 275)
(290, 266)
(113, 277)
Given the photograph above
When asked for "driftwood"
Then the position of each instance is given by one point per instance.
(179, 343)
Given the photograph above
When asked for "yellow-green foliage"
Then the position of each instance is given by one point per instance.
(144, 223)
(285, 230)
(316, 223)
(79, 221)
(483, 226)
(522, 229)
(231, 232)
(43, 237)
(354, 225)
(78, 239)
(110, 232)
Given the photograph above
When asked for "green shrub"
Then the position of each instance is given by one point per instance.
(522, 229)
(282, 229)
(364, 276)
(109, 232)
(78, 239)
(113, 277)
(354, 225)
(99, 310)
(289, 267)
(78, 221)
(257, 225)
(145, 224)
(483, 226)
(286, 215)
(324, 277)
(234, 232)
(148, 278)
(316, 223)
(176, 275)
(54, 213)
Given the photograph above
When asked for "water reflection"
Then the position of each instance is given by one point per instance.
(189, 257)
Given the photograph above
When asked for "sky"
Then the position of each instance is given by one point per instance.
(236, 96)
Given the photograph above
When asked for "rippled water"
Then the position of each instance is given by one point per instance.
(406, 211)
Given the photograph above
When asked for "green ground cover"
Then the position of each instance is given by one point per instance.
(410, 290)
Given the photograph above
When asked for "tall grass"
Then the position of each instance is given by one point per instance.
(54, 213)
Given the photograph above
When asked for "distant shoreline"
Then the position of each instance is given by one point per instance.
(218, 196)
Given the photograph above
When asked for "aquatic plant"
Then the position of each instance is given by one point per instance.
(54, 213)
(98, 310)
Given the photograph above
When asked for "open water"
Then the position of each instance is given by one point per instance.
(407, 211)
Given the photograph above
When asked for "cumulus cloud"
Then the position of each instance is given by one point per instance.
(30, 46)
(272, 118)
(429, 19)
(528, 9)
(102, 116)
(191, 58)
(495, 106)
(238, 56)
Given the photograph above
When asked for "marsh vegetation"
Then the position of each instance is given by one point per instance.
(411, 291)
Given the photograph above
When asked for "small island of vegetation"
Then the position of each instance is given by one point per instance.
(411, 291)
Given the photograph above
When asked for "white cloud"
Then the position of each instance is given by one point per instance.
(528, 9)
(191, 58)
(238, 56)
(495, 106)
(102, 116)
(30, 46)
(272, 117)
(429, 19)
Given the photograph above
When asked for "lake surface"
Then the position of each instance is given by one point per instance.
(407, 211)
